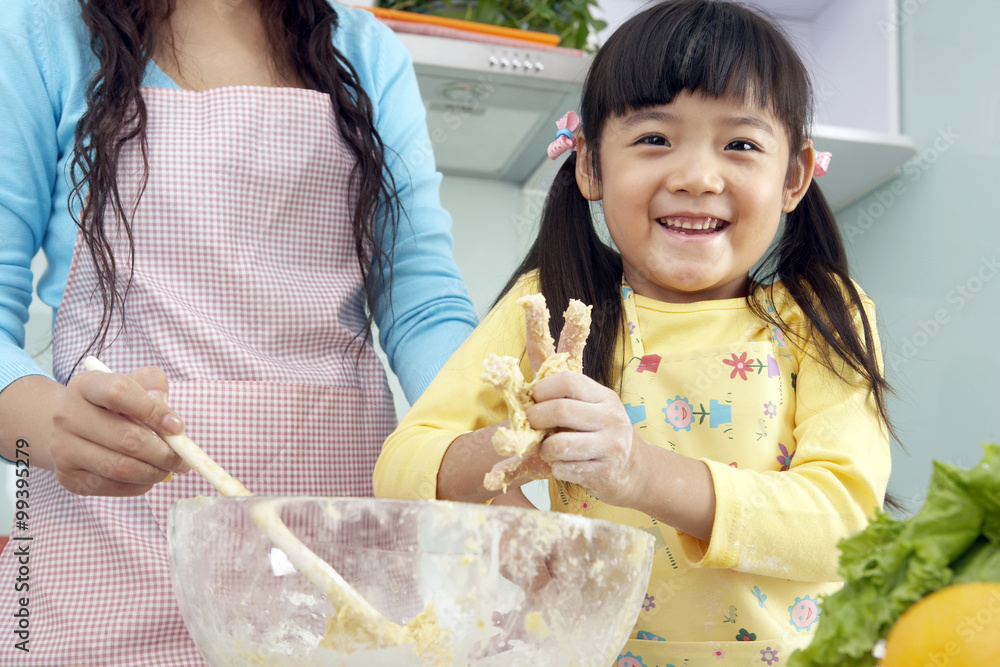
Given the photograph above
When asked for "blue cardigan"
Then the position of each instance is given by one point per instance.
(45, 66)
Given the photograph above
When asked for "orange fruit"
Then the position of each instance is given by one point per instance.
(957, 626)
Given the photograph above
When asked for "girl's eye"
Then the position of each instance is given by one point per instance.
(742, 145)
(653, 140)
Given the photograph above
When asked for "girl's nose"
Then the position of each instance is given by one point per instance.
(695, 173)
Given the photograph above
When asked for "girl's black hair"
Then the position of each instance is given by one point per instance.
(715, 48)
(123, 35)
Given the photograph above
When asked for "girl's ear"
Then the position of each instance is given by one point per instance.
(799, 178)
(589, 187)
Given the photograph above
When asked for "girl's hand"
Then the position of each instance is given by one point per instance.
(602, 451)
(104, 438)
(599, 448)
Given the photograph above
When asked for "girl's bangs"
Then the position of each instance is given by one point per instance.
(709, 48)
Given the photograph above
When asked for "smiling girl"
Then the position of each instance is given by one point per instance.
(732, 402)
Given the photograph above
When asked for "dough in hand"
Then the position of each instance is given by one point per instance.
(520, 442)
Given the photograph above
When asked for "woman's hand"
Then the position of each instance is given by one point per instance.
(599, 448)
(104, 438)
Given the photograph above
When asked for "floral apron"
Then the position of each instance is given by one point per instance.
(247, 293)
(707, 403)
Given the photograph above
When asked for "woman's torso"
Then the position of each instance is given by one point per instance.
(246, 290)
(67, 63)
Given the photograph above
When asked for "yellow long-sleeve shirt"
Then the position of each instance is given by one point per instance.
(799, 459)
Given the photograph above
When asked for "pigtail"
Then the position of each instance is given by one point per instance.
(811, 263)
(573, 262)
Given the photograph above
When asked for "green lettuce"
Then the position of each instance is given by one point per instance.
(954, 538)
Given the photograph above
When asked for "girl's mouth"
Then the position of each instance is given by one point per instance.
(693, 226)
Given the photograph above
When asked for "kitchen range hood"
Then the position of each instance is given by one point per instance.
(491, 109)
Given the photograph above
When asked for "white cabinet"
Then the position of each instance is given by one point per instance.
(852, 50)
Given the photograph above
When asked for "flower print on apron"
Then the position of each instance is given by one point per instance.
(247, 293)
(704, 403)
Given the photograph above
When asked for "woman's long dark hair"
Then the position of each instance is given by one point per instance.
(124, 34)
(715, 48)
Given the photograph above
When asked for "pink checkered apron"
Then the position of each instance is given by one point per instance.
(247, 293)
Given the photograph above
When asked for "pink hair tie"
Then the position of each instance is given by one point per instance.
(822, 161)
(565, 138)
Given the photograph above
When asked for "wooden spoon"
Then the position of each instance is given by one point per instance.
(372, 625)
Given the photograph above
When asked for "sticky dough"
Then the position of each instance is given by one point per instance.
(346, 632)
(520, 442)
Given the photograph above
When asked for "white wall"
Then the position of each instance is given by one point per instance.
(926, 246)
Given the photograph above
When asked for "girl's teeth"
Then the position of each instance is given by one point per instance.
(711, 223)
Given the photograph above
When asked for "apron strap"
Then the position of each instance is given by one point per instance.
(632, 320)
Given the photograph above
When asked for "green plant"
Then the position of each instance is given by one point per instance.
(570, 19)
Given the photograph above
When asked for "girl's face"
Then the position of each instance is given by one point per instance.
(693, 192)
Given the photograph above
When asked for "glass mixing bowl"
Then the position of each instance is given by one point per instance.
(508, 586)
